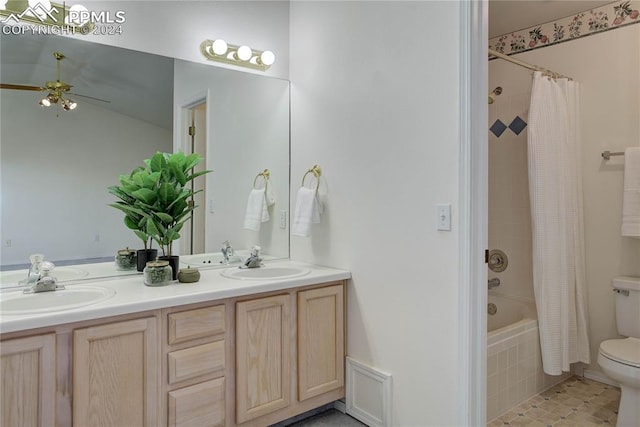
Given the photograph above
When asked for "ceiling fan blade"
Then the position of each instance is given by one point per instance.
(21, 87)
(86, 96)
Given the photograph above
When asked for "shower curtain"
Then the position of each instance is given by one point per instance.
(555, 192)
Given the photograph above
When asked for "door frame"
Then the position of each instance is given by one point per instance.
(473, 193)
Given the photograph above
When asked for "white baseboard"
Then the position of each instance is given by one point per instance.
(339, 405)
(599, 376)
(368, 394)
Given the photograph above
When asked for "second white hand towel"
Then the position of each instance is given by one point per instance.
(256, 210)
(307, 212)
(631, 193)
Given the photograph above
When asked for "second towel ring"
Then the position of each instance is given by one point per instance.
(265, 174)
(317, 172)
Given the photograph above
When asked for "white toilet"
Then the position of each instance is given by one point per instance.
(620, 358)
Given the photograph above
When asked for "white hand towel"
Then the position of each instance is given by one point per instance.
(307, 212)
(631, 193)
(256, 210)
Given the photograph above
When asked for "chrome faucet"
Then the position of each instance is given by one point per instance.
(45, 281)
(254, 260)
(227, 251)
(33, 275)
(494, 283)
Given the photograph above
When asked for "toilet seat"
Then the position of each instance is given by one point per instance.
(625, 351)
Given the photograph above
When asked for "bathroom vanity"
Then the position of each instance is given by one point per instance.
(228, 350)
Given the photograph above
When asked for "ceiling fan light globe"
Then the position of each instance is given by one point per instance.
(44, 102)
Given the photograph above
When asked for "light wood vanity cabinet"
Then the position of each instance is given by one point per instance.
(289, 353)
(246, 361)
(195, 366)
(263, 352)
(28, 381)
(115, 374)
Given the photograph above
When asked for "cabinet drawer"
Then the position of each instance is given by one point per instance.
(198, 405)
(198, 323)
(195, 361)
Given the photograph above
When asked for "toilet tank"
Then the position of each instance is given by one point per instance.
(627, 305)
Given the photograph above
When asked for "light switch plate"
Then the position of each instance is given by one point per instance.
(444, 217)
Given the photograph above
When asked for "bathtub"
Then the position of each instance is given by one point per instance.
(514, 364)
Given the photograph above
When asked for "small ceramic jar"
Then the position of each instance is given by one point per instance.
(157, 273)
(188, 275)
(126, 259)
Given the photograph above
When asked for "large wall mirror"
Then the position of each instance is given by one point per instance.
(56, 165)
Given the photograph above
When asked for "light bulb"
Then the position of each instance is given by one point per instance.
(219, 47)
(244, 53)
(77, 15)
(267, 57)
(44, 102)
(70, 105)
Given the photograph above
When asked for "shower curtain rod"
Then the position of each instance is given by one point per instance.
(527, 65)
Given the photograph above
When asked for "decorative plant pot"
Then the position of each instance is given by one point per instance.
(174, 262)
(144, 256)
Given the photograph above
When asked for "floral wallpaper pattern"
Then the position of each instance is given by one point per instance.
(607, 17)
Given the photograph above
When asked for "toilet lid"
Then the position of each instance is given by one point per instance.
(625, 351)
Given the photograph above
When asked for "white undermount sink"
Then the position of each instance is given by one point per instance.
(266, 272)
(74, 296)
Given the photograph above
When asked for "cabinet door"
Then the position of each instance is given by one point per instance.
(28, 381)
(320, 341)
(115, 374)
(263, 346)
(200, 405)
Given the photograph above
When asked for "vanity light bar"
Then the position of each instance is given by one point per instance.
(243, 56)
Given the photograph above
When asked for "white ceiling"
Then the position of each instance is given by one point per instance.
(506, 16)
(137, 84)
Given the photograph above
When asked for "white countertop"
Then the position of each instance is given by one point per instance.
(131, 295)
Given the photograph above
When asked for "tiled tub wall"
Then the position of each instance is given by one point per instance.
(514, 367)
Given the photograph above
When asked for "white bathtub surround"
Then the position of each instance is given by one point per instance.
(514, 366)
(631, 193)
(555, 191)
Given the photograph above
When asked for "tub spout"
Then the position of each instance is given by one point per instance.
(494, 283)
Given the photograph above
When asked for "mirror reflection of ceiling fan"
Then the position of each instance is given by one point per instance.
(58, 91)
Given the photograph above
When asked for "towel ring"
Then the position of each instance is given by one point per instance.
(317, 172)
(265, 175)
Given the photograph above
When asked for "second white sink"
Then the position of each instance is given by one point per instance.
(265, 272)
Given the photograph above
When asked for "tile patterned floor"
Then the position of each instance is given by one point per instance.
(575, 402)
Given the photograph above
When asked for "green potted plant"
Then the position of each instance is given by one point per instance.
(135, 218)
(166, 206)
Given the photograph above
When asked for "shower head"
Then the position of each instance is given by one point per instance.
(492, 96)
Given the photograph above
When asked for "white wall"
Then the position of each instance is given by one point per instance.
(55, 174)
(509, 209)
(375, 89)
(607, 65)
